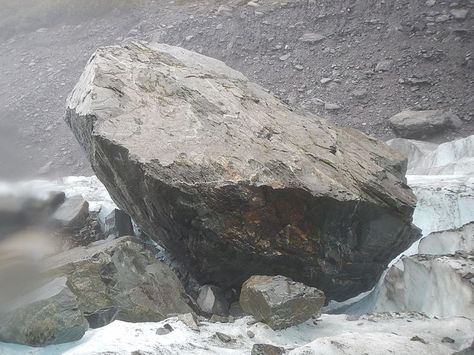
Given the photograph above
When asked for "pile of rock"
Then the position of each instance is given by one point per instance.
(52, 293)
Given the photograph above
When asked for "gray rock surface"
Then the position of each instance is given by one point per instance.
(119, 279)
(233, 181)
(72, 213)
(279, 301)
(49, 315)
(422, 124)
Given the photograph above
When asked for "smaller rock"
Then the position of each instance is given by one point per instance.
(224, 337)
(417, 338)
(311, 37)
(72, 213)
(448, 340)
(331, 107)
(384, 65)
(466, 351)
(224, 10)
(442, 18)
(325, 80)
(116, 223)
(267, 349)
(211, 300)
(419, 124)
(359, 93)
(284, 57)
(236, 311)
(459, 14)
(250, 334)
(189, 320)
(279, 301)
(430, 3)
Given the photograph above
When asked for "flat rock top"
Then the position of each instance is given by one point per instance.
(193, 118)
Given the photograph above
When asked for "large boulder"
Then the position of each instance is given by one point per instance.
(119, 279)
(234, 182)
(48, 315)
(421, 124)
(279, 301)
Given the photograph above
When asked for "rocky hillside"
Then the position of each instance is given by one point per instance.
(356, 63)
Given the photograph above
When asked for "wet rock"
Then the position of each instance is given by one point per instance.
(102, 317)
(267, 349)
(409, 281)
(72, 213)
(224, 337)
(449, 241)
(49, 315)
(419, 124)
(119, 279)
(417, 338)
(279, 301)
(467, 351)
(248, 190)
(211, 300)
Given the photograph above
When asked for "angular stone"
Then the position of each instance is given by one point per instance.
(459, 14)
(119, 279)
(237, 183)
(72, 213)
(49, 315)
(211, 300)
(419, 124)
(279, 301)
(267, 349)
(224, 337)
(384, 65)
